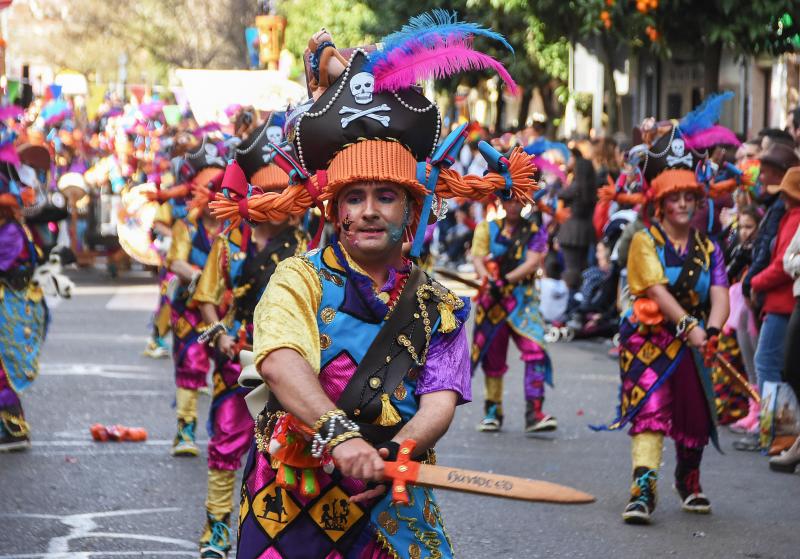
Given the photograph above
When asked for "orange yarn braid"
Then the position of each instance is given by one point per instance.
(295, 200)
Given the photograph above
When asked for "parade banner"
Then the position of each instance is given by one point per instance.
(266, 90)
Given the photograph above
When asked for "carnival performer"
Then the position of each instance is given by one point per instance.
(677, 277)
(192, 237)
(359, 348)
(172, 200)
(23, 311)
(507, 253)
(240, 264)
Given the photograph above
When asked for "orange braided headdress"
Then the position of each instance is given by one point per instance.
(296, 199)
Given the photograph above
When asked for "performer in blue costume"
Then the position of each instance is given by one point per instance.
(677, 277)
(23, 311)
(507, 253)
(239, 267)
(358, 346)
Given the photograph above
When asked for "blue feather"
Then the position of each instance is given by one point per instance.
(541, 145)
(706, 115)
(437, 25)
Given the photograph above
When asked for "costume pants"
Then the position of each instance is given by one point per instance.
(678, 408)
(771, 344)
(747, 343)
(230, 421)
(495, 362)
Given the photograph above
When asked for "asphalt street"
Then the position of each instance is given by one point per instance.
(69, 497)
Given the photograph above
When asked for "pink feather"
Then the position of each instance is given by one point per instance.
(10, 111)
(711, 137)
(546, 166)
(403, 68)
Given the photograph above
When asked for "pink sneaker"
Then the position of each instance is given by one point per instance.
(750, 422)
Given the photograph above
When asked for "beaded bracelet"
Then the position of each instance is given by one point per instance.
(685, 325)
(325, 417)
(339, 439)
(336, 425)
(316, 56)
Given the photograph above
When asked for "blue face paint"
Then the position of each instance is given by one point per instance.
(396, 231)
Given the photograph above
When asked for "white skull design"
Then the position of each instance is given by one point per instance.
(362, 86)
(678, 147)
(274, 134)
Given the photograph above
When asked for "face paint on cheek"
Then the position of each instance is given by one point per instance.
(347, 222)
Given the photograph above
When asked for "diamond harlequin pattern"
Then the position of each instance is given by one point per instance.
(496, 314)
(274, 509)
(648, 353)
(335, 514)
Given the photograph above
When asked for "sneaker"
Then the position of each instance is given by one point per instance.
(492, 422)
(748, 443)
(14, 430)
(216, 540)
(12, 443)
(155, 350)
(642, 503)
(183, 444)
(692, 497)
(542, 424)
(536, 421)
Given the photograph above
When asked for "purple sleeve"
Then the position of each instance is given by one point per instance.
(11, 243)
(718, 274)
(447, 366)
(538, 242)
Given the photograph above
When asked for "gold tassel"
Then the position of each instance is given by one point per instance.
(448, 319)
(389, 415)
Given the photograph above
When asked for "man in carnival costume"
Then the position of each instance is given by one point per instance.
(192, 237)
(359, 348)
(23, 312)
(240, 265)
(677, 278)
(172, 207)
(507, 253)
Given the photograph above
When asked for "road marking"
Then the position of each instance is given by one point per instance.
(83, 526)
(91, 338)
(98, 370)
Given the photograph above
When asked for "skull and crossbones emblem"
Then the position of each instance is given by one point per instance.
(362, 87)
(274, 137)
(212, 155)
(678, 148)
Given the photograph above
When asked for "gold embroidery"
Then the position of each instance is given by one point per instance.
(400, 392)
(388, 523)
(327, 315)
(414, 551)
(324, 341)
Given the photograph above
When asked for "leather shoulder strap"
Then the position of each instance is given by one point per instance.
(401, 345)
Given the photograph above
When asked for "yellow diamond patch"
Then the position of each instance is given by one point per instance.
(673, 348)
(496, 314)
(274, 509)
(648, 353)
(335, 514)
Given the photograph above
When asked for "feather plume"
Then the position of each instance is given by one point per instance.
(437, 24)
(704, 116)
(541, 145)
(546, 166)
(415, 61)
(10, 111)
(711, 137)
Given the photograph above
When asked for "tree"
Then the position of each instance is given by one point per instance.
(348, 21)
(89, 35)
(763, 27)
(536, 64)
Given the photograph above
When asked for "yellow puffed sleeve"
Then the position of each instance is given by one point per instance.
(644, 267)
(480, 240)
(181, 246)
(211, 285)
(164, 214)
(286, 315)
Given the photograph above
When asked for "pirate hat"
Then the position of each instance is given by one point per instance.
(371, 123)
(255, 155)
